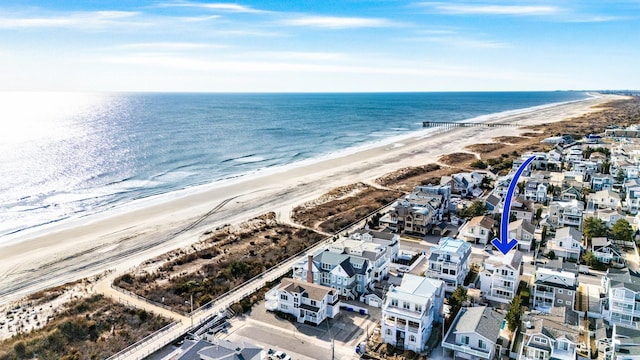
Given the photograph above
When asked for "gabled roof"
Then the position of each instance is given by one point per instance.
(524, 224)
(315, 291)
(481, 320)
(493, 200)
(482, 221)
(566, 232)
(417, 289)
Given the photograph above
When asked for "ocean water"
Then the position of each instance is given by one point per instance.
(66, 155)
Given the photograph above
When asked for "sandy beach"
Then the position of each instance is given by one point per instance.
(126, 237)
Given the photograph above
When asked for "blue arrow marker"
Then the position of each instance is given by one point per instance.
(504, 244)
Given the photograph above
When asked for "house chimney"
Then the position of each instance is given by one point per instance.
(310, 269)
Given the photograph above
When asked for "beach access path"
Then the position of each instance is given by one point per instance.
(129, 235)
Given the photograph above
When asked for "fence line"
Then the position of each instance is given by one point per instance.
(149, 337)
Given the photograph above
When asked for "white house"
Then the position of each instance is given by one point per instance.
(567, 243)
(609, 216)
(478, 230)
(625, 343)
(606, 252)
(523, 231)
(410, 310)
(632, 199)
(605, 199)
(475, 333)
(554, 287)
(622, 302)
(449, 262)
(390, 240)
(535, 191)
(308, 302)
(376, 254)
(500, 277)
(602, 182)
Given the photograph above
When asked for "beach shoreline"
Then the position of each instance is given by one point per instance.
(124, 238)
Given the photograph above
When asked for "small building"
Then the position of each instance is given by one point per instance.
(390, 240)
(307, 302)
(605, 199)
(548, 337)
(410, 310)
(500, 277)
(478, 230)
(606, 252)
(566, 213)
(602, 182)
(622, 289)
(626, 343)
(475, 333)
(493, 203)
(449, 261)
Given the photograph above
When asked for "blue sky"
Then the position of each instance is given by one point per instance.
(323, 45)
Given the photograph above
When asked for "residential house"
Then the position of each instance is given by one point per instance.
(622, 299)
(449, 261)
(475, 333)
(626, 343)
(390, 240)
(465, 184)
(410, 310)
(566, 213)
(632, 199)
(567, 243)
(419, 211)
(350, 275)
(501, 185)
(606, 252)
(478, 230)
(609, 216)
(376, 254)
(586, 168)
(605, 199)
(307, 302)
(523, 231)
(554, 287)
(218, 349)
(522, 209)
(500, 277)
(571, 193)
(602, 182)
(535, 191)
(548, 338)
(598, 157)
(574, 155)
(493, 203)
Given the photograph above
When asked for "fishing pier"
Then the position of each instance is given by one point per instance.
(451, 124)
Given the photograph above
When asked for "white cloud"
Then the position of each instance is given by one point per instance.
(334, 22)
(231, 7)
(297, 55)
(458, 41)
(486, 9)
(82, 20)
(168, 46)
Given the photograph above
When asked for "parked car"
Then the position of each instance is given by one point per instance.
(281, 355)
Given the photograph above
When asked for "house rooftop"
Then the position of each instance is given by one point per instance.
(315, 291)
(482, 320)
(512, 258)
(482, 221)
(525, 224)
(417, 289)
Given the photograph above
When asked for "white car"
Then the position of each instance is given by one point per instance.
(281, 355)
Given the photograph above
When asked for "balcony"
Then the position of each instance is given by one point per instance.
(483, 354)
(543, 294)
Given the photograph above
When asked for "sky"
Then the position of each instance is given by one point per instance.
(319, 46)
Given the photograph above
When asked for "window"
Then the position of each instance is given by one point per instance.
(452, 272)
(394, 302)
(313, 303)
(445, 271)
(406, 305)
(567, 302)
(482, 344)
(284, 297)
(412, 338)
(540, 340)
(560, 301)
(283, 306)
(388, 331)
(464, 340)
(418, 307)
(560, 291)
(569, 292)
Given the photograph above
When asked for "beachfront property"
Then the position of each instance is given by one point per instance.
(566, 213)
(500, 277)
(449, 261)
(605, 199)
(606, 252)
(478, 230)
(307, 302)
(523, 231)
(567, 243)
(547, 338)
(390, 240)
(475, 333)
(350, 275)
(622, 297)
(625, 344)
(554, 287)
(419, 211)
(376, 254)
(410, 310)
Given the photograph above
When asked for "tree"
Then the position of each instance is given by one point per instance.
(605, 168)
(478, 164)
(512, 217)
(620, 176)
(456, 300)
(521, 187)
(475, 209)
(622, 231)
(486, 182)
(515, 311)
(551, 255)
(539, 213)
(594, 227)
(590, 259)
